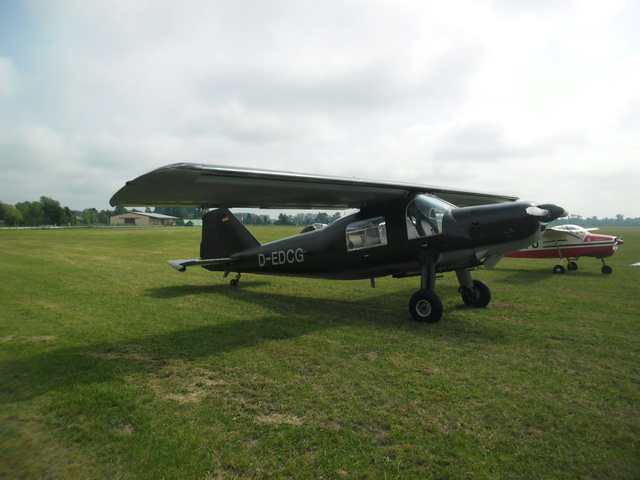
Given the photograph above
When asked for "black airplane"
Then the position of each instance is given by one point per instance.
(400, 230)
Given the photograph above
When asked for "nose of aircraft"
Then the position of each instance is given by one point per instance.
(547, 212)
(499, 223)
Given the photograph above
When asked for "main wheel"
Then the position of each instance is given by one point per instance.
(425, 306)
(478, 296)
(572, 266)
(558, 269)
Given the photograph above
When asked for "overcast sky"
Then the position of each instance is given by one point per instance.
(537, 99)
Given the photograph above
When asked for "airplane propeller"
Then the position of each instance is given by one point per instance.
(547, 212)
(618, 241)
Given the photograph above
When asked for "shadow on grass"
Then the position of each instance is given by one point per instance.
(289, 317)
(528, 277)
(176, 291)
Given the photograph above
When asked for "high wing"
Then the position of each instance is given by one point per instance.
(207, 186)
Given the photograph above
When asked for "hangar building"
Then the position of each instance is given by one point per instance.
(142, 219)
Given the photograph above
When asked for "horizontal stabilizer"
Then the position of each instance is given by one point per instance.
(181, 265)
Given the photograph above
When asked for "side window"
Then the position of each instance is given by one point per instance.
(367, 233)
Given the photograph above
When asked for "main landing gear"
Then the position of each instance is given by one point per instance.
(572, 266)
(425, 305)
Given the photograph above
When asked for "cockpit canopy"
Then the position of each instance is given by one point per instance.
(574, 230)
(424, 216)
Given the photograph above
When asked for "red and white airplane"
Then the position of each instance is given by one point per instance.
(571, 242)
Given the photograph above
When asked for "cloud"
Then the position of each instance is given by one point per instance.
(537, 101)
(8, 78)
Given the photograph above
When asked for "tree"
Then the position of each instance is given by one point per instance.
(283, 219)
(70, 217)
(253, 219)
(52, 211)
(322, 218)
(31, 213)
(90, 216)
(179, 212)
(103, 218)
(11, 215)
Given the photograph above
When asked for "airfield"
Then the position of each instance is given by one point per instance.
(113, 365)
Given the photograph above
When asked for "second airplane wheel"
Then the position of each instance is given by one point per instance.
(479, 296)
(558, 269)
(425, 306)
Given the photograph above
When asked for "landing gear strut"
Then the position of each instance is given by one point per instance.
(425, 305)
(571, 266)
(235, 281)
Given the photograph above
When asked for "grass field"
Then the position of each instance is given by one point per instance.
(113, 365)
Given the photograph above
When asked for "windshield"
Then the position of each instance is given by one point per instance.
(573, 230)
(424, 216)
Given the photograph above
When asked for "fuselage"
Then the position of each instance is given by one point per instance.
(570, 241)
(391, 239)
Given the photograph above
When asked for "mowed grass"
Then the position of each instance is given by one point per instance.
(113, 365)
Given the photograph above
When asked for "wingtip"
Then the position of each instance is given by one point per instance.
(177, 265)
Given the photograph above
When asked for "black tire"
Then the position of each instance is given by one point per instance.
(606, 270)
(234, 282)
(572, 266)
(478, 297)
(425, 306)
(558, 269)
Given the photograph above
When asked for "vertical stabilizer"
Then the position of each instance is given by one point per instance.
(223, 235)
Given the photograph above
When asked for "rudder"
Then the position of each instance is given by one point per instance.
(223, 235)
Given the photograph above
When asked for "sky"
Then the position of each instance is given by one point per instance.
(539, 100)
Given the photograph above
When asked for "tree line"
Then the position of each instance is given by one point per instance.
(617, 221)
(48, 211)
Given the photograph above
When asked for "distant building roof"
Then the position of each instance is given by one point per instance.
(152, 215)
(194, 222)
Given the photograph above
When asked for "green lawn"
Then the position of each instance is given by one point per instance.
(113, 365)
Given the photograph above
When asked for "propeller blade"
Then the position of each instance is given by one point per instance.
(537, 211)
(547, 212)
